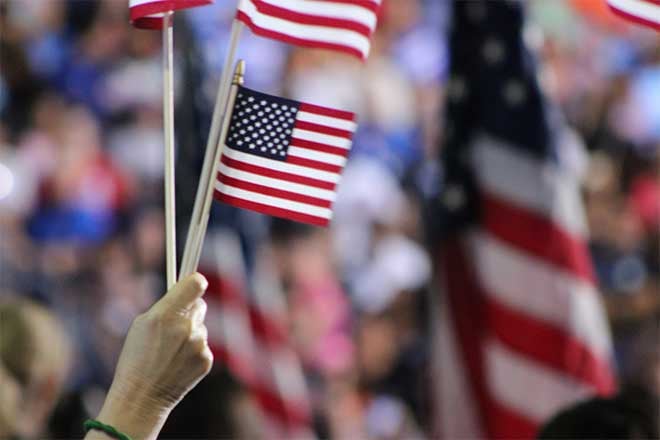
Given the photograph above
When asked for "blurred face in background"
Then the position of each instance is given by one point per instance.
(35, 356)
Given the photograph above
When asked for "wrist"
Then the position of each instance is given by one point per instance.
(133, 412)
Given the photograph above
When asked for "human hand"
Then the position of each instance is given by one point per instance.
(164, 356)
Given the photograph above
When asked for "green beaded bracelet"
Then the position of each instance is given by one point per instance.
(107, 429)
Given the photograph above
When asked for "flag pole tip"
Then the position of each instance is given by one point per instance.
(239, 73)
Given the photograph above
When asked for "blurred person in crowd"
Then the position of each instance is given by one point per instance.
(35, 357)
(81, 198)
(318, 306)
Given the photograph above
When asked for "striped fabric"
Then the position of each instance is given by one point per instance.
(148, 14)
(248, 336)
(341, 25)
(644, 12)
(520, 329)
(284, 158)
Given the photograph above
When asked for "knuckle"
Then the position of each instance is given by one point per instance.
(198, 282)
(198, 345)
(206, 360)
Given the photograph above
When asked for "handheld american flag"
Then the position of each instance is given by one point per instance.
(149, 14)
(283, 158)
(645, 12)
(340, 25)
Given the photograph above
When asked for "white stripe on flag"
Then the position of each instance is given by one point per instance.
(527, 387)
(529, 183)
(528, 284)
(326, 8)
(321, 34)
(325, 139)
(327, 121)
(276, 202)
(281, 166)
(271, 182)
(647, 10)
(332, 159)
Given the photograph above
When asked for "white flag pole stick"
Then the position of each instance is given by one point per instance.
(207, 175)
(196, 241)
(168, 131)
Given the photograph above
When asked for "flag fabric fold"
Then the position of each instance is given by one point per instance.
(284, 158)
(148, 14)
(521, 331)
(248, 334)
(644, 12)
(341, 25)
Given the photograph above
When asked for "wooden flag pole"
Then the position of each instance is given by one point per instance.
(168, 131)
(207, 175)
(198, 239)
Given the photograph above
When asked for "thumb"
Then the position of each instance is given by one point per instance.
(184, 294)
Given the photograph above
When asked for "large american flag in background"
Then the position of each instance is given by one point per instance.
(284, 158)
(520, 329)
(149, 14)
(341, 25)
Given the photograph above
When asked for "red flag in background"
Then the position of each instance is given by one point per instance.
(341, 25)
(148, 14)
(521, 331)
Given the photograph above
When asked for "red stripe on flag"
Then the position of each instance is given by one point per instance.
(242, 16)
(269, 191)
(309, 163)
(313, 20)
(506, 423)
(243, 166)
(466, 304)
(267, 329)
(323, 148)
(371, 5)
(271, 210)
(241, 368)
(536, 235)
(325, 111)
(551, 346)
(270, 401)
(148, 23)
(139, 13)
(636, 18)
(285, 411)
(323, 129)
(224, 292)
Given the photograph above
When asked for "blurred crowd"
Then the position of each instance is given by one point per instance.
(81, 210)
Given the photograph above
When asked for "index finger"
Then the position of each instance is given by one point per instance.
(184, 293)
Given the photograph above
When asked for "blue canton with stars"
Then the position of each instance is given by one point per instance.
(492, 90)
(262, 124)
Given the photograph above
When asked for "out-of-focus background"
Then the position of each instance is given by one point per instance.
(81, 210)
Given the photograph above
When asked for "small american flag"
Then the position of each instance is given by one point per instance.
(149, 14)
(340, 25)
(284, 158)
(645, 12)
